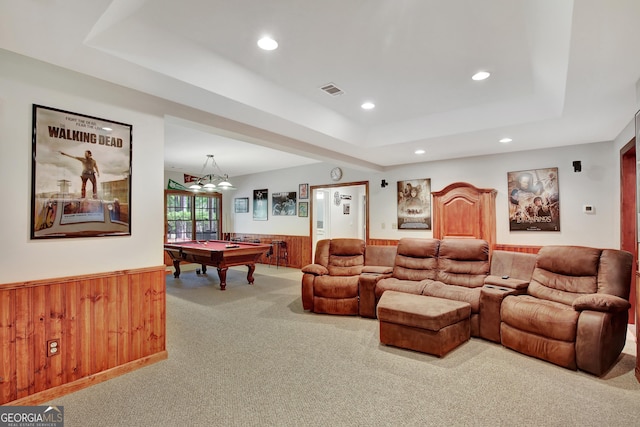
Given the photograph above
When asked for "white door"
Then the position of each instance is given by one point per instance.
(344, 215)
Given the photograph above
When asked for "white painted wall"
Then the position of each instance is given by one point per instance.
(597, 185)
(23, 84)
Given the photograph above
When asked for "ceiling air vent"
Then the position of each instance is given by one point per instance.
(332, 89)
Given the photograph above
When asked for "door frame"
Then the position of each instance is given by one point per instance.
(311, 248)
(628, 219)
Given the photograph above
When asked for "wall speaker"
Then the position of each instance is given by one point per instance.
(384, 183)
(577, 166)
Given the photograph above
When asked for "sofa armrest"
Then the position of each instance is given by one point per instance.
(377, 269)
(367, 293)
(601, 302)
(509, 282)
(315, 269)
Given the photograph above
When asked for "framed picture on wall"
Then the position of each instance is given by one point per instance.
(534, 200)
(80, 175)
(284, 204)
(303, 209)
(303, 191)
(241, 204)
(414, 204)
(260, 205)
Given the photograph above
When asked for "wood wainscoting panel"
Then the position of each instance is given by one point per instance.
(298, 247)
(383, 242)
(517, 248)
(102, 323)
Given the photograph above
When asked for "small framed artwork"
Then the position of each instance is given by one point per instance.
(303, 209)
(283, 203)
(81, 175)
(241, 204)
(260, 205)
(303, 191)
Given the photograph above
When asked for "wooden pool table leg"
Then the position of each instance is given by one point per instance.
(252, 268)
(176, 266)
(222, 274)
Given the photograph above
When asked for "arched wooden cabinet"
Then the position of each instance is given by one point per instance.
(461, 210)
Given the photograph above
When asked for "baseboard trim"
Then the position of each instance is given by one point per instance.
(64, 389)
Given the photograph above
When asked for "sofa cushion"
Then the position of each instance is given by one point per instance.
(393, 284)
(511, 283)
(345, 266)
(346, 257)
(336, 286)
(540, 317)
(452, 292)
(377, 269)
(380, 255)
(463, 262)
(563, 273)
(517, 265)
(569, 260)
(416, 259)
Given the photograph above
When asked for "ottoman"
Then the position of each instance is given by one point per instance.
(421, 323)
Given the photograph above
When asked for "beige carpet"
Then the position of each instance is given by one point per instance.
(250, 356)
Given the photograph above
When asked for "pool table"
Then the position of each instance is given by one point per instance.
(221, 254)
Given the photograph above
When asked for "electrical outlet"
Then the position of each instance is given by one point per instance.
(53, 347)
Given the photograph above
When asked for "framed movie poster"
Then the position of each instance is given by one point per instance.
(534, 200)
(284, 203)
(260, 205)
(414, 204)
(80, 175)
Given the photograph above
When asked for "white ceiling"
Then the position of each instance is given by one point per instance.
(563, 72)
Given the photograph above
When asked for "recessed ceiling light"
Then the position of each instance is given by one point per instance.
(420, 151)
(506, 140)
(267, 43)
(481, 75)
(368, 106)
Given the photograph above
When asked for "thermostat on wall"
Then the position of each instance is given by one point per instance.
(589, 209)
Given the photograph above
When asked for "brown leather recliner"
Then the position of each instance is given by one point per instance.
(575, 311)
(415, 261)
(330, 284)
(463, 265)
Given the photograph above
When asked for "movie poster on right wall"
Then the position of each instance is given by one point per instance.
(534, 200)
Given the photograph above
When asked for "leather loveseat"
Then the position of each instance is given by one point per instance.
(452, 269)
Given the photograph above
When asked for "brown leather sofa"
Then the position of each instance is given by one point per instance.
(567, 305)
(575, 310)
